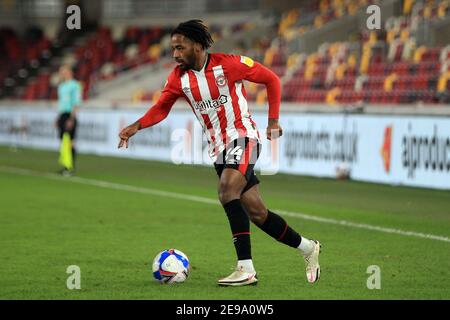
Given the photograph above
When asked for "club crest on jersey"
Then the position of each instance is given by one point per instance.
(221, 81)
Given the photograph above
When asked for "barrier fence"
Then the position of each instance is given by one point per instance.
(392, 149)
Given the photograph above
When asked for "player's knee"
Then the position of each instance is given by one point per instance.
(227, 192)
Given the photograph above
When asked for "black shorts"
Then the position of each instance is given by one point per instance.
(63, 117)
(240, 154)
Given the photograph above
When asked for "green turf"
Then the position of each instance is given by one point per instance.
(49, 223)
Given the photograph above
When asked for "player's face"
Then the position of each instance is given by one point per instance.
(65, 73)
(184, 51)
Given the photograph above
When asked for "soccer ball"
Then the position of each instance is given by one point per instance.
(171, 266)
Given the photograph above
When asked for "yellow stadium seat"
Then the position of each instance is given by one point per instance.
(427, 11)
(442, 9)
(331, 96)
(268, 57)
(261, 97)
(365, 58)
(390, 36)
(156, 96)
(292, 60)
(419, 53)
(389, 82)
(137, 95)
(340, 71)
(351, 61)
(404, 35)
(407, 6)
(154, 51)
(318, 21)
(442, 82)
(352, 9)
(372, 37)
(324, 5)
(251, 87)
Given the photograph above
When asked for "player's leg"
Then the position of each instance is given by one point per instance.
(275, 226)
(232, 168)
(231, 184)
(230, 187)
(61, 124)
(72, 133)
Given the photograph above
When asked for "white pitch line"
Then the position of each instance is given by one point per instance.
(181, 196)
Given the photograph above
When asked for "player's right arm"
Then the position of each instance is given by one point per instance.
(156, 113)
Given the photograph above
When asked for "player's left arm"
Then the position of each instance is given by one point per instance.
(255, 72)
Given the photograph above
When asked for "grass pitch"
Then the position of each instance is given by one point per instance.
(117, 214)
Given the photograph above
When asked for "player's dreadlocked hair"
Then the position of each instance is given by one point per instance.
(196, 31)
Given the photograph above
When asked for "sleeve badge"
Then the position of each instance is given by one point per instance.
(247, 61)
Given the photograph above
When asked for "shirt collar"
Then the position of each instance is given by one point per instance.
(204, 65)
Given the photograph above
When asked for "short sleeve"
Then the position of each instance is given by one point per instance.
(77, 94)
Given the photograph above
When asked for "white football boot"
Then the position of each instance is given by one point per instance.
(239, 278)
(312, 263)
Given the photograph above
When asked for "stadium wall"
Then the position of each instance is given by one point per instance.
(411, 150)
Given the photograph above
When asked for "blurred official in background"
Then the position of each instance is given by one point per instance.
(69, 100)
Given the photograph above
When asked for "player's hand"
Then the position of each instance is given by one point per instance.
(69, 124)
(274, 129)
(127, 133)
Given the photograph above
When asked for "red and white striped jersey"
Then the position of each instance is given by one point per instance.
(217, 97)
